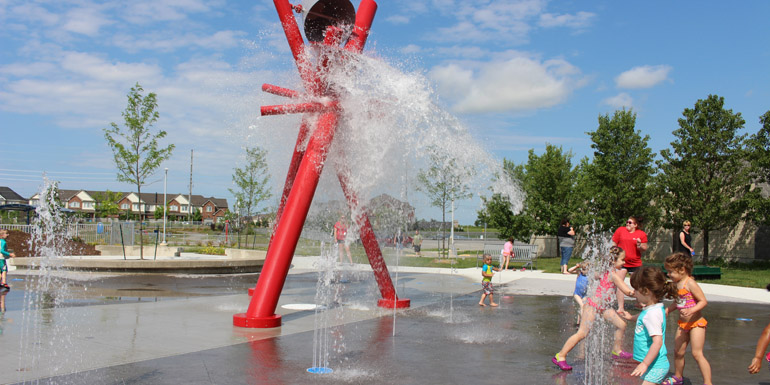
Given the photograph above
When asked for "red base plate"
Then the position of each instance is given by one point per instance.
(400, 303)
(241, 320)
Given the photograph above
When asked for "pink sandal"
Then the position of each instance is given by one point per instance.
(562, 364)
(673, 380)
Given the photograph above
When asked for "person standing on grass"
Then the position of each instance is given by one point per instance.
(507, 254)
(566, 236)
(684, 240)
(417, 242)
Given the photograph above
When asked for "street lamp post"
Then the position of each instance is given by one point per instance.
(165, 179)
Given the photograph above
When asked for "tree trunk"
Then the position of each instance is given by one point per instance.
(705, 247)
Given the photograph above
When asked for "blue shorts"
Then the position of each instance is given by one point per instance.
(581, 286)
(656, 375)
(566, 253)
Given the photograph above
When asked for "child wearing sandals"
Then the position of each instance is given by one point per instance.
(600, 303)
(487, 271)
(650, 287)
(692, 325)
(762, 342)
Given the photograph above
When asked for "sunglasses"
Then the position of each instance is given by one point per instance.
(629, 223)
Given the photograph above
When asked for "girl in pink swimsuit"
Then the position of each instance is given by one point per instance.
(692, 325)
(600, 303)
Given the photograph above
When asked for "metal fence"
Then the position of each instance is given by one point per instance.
(97, 233)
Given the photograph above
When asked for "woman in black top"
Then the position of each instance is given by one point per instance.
(685, 240)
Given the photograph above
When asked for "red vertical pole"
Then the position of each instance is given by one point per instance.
(261, 311)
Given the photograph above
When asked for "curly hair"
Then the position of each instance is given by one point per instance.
(616, 253)
(652, 278)
(679, 261)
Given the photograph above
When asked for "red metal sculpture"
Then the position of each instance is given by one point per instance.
(324, 24)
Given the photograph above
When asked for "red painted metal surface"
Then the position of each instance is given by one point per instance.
(305, 170)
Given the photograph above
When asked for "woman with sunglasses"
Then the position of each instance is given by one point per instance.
(633, 241)
(685, 240)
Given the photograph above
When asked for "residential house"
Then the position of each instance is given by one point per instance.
(212, 209)
(9, 197)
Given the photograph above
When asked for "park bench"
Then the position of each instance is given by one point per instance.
(525, 254)
(698, 271)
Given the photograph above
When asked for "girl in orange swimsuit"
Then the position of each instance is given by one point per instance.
(692, 325)
(600, 302)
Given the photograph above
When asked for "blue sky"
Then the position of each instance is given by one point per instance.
(519, 74)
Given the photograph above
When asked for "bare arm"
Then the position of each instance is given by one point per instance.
(762, 342)
(657, 342)
(700, 299)
(621, 285)
(682, 241)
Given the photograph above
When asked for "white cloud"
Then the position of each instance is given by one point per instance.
(517, 84)
(145, 11)
(578, 20)
(398, 19)
(643, 77)
(220, 40)
(621, 100)
(411, 49)
(85, 21)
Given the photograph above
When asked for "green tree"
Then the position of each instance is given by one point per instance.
(618, 182)
(443, 182)
(704, 177)
(759, 155)
(197, 216)
(158, 214)
(135, 149)
(252, 181)
(106, 203)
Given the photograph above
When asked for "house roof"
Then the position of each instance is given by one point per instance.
(10, 195)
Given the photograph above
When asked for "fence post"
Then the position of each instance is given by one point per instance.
(121, 241)
(154, 257)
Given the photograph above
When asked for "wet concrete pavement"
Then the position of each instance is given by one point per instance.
(182, 332)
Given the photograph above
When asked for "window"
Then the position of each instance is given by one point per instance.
(209, 209)
(124, 206)
(173, 208)
(88, 205)
(74, 204)
(184, 208)
(136, 207)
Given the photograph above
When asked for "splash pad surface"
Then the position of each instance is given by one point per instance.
(444, 338)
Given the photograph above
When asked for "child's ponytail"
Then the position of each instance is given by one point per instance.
(652, 278)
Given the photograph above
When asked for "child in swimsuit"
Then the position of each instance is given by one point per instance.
(581, 284)
(600, 302)
(651, 286)
(692, 325)
(487, 271)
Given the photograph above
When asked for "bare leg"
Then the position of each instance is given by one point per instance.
(621, 302)
(620, 325)
(347, 250)
(481, 302)
(589, 314)
(579, 301)
(681, 339)
(506, 259)
(697, 340)
(492, 300)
